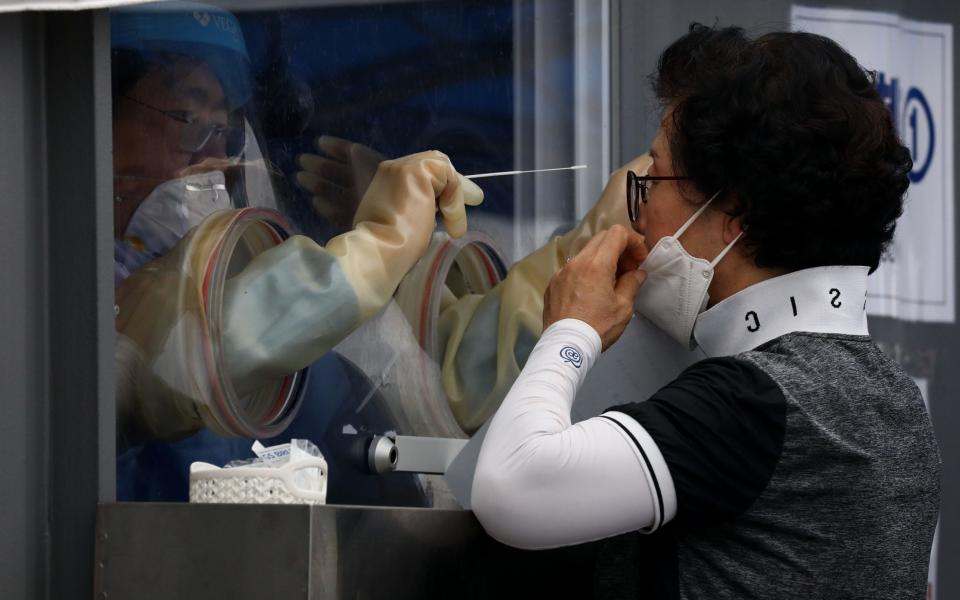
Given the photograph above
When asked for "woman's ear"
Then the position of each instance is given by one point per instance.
(732, 227)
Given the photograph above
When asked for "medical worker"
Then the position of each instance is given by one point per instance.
(183, 149)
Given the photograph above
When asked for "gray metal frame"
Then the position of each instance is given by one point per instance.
(57, 417)
(23, 495)
(80, 275)
(56, 363)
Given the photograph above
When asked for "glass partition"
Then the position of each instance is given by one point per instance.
(274, 281)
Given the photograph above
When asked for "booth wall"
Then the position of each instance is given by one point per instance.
(56, 416)
(56, 300)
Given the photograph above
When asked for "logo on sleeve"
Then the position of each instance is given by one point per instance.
(571, 355)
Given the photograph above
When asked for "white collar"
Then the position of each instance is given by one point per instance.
(820, 300)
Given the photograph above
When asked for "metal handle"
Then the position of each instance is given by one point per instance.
(412, 454)
(382, 454)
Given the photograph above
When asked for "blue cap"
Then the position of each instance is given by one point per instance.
(192, 29)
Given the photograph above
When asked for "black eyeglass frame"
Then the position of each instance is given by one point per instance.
(637, 188)
(188, 118)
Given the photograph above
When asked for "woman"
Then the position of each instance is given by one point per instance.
(796, 461)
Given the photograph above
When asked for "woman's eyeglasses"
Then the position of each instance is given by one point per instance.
(638, 187)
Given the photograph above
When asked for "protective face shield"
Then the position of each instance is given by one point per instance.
(183, 100)
(675, 291)
(201, 31)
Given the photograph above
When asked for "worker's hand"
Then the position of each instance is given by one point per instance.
(599, 284)
(395, 223)
(338, 178)
(408, 191)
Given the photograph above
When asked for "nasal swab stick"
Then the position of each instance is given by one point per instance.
(481, 175)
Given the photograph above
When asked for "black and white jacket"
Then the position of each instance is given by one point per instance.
(796, 461)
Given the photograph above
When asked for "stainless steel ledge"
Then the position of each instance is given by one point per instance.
(152, 551)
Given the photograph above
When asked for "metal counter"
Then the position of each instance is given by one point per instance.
(183, 551)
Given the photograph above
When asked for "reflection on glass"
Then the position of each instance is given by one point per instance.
(258, 247)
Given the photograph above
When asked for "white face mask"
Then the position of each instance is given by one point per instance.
(675, 291)
(174, 208)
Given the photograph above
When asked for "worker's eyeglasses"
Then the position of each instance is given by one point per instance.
(197, 133)
(638, 187)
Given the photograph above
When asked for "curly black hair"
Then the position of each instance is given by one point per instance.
(790, 127)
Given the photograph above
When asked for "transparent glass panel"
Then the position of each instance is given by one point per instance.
(275, 281)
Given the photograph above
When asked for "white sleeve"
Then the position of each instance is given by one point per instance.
(542, 482)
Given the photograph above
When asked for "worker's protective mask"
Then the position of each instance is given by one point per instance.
(675, 290)
(174, 208)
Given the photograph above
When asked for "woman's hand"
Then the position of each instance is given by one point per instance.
(598, 285)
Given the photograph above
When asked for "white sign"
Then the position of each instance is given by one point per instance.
(914, 65)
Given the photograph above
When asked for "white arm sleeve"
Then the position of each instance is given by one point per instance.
(542, 482)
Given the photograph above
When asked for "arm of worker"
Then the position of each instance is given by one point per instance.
(542, 482)
(294, 302)
(290, 305)
(486, 339)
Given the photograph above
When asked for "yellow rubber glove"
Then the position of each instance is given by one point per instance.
(489, 337)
